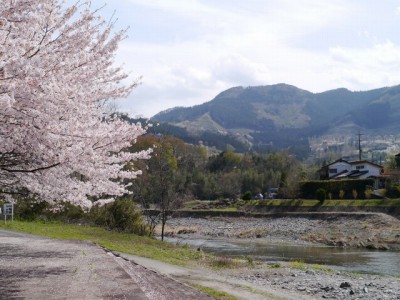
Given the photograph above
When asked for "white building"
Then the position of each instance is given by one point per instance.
(343, 169)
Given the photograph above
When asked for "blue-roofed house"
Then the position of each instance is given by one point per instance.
(359, 169)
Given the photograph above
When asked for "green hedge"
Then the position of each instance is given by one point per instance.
(308, 188)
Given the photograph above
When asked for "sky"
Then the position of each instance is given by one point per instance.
(188, 51)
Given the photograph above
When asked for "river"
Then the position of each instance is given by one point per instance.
(342, 259)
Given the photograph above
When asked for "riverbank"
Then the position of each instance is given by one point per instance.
(243, 279)
(318, 283)
(371, 231)
(298, 280)
(282, 280)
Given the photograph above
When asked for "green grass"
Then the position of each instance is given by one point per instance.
(181, 255)
(301, 265)
(218, 295)
(223, 262)
(229, 208)
(115, 241)
(253, 204)
(283, 202)
(193, 204)
(364, 202)
(262, 293)
(321, 268)
(298, 264)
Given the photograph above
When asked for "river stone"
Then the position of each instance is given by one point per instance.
(345, 285)
(310, 272)
(384, 247)
(327, 288)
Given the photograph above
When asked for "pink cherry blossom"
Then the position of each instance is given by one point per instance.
(57, 73)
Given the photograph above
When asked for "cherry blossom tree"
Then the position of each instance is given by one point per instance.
(57, 140)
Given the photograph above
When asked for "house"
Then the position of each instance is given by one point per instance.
(397, 160)
(359, 169)
(394, 173)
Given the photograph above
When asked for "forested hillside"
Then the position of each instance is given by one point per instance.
(284, 117)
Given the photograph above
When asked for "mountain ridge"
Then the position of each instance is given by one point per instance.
(283, 114)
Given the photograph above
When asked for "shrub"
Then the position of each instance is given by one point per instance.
(247, 196)
(29, 209)
(220, 262)
(249, 260)
(368, 193)
(308, 188)
(69, 213)
(354, 193)
(121, 215)
(320, 194)
(341, 194)
(392, 189)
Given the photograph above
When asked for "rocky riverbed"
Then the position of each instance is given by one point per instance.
(373, 231)
(318, 283)
(302, 281)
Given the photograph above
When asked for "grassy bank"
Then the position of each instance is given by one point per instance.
(327, 203)
(115, 241)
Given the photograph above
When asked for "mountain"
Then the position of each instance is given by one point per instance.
(285, 116)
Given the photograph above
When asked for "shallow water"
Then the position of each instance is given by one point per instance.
(355, 260)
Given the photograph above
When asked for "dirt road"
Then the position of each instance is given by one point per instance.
(33, 267)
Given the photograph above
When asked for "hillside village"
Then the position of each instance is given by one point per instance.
(374, 147)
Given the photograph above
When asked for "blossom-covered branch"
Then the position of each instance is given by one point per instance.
(57, 71)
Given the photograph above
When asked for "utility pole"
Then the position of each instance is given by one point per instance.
(359, 145)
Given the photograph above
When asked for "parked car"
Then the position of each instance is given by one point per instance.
(259, 196)
(272, 193)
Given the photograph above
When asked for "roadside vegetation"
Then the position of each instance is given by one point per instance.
(218, 295)
(181, 255)
(114, 241)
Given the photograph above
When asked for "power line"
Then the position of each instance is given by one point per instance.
(359, 145)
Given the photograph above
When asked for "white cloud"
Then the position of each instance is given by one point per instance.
(367, 68)
(189, 51)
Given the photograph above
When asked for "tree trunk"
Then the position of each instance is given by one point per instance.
(163, 221)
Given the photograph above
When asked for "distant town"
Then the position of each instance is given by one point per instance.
(375, 148)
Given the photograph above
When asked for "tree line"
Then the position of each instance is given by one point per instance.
(177, 172)
(188, 171)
